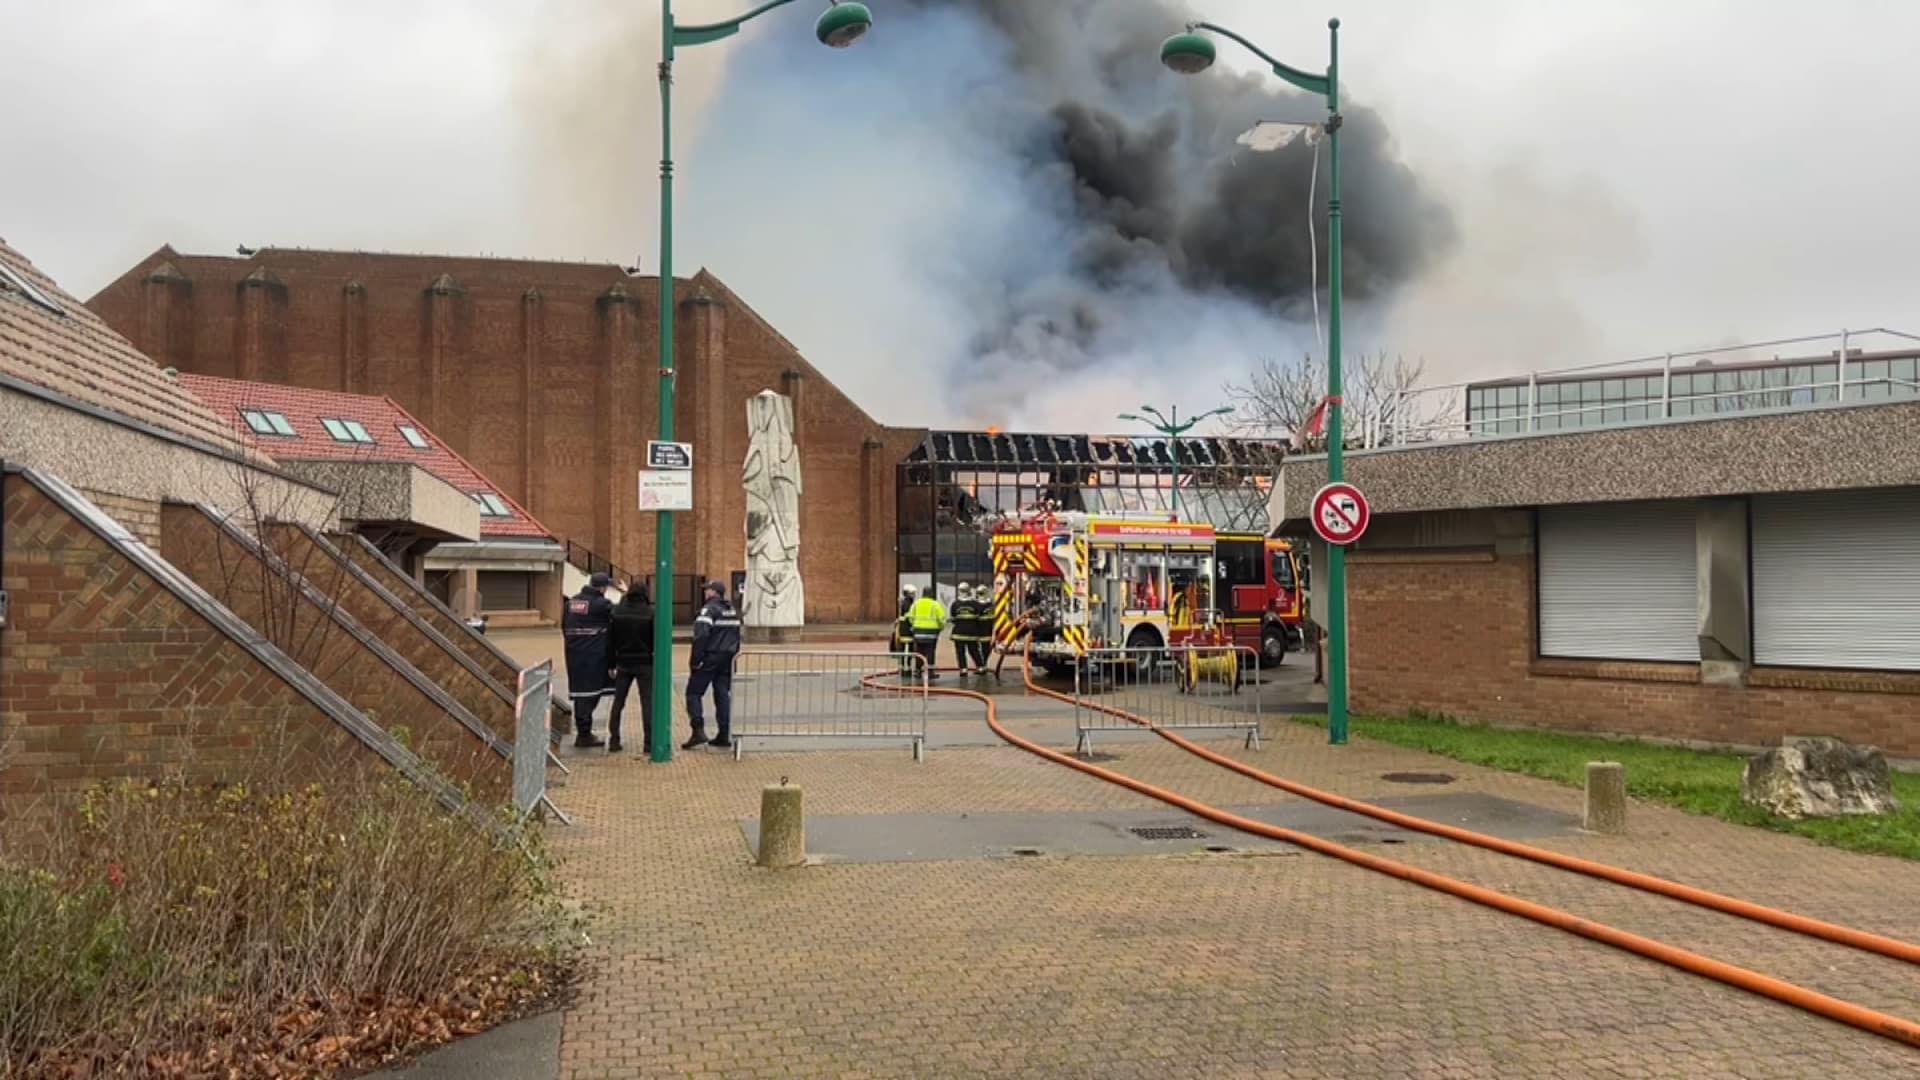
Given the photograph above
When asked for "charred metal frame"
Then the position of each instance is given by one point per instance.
(955, 482)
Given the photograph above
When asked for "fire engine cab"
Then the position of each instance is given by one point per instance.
(1076, 582)
(1262, 593)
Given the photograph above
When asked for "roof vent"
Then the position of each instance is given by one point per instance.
(170, 372)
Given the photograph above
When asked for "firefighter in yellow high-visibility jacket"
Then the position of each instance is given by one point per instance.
(926, 618)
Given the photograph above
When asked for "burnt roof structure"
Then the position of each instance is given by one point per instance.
(994, 449)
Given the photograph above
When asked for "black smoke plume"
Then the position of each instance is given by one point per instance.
(1142, 217)
(1157, 173)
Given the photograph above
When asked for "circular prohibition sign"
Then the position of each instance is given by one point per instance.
(1340, 513)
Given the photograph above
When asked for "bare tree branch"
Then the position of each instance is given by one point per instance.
(1379, 400)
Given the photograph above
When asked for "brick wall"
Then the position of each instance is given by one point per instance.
(545, 376)
(404, 633)
(104, 673)
(504, 671)
(141, 517)
(1453, 631)
(308, 632)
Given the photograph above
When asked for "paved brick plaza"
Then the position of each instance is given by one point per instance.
(1233, 965)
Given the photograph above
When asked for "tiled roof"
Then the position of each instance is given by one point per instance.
(382, 418)
(72, 352)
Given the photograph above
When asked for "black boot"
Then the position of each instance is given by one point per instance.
(699, 740)
(721, 742)
(587, 740)
(613, 745)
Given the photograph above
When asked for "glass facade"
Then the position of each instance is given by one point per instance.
(956, 484)
(1501, 408)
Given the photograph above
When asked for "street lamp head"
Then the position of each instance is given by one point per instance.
(1187, 53)
(843, 24)
(1130, 417)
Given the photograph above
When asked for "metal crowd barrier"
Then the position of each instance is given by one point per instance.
(825, 695)
(532, 748)
(1184, 687)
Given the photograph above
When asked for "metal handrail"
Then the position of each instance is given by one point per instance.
(593, 562)
(1398, 419)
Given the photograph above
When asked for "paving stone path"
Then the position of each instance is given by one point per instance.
(1280, 964)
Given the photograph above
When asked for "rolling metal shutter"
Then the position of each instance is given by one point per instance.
(1836, 580)
(1619, 582)
(505, 590)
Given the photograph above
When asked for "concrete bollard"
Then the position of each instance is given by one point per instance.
(1606, 797)
(783, 828)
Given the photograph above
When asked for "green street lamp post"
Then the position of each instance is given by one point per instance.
(1172, 429)
(1192, 52)
(839, 26)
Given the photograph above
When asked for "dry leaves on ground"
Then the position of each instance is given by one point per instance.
(315, 1039)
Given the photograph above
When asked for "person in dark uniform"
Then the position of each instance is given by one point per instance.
(969, 630)
(583, 627)
(716, 641)
(902, 640)
(631, 643)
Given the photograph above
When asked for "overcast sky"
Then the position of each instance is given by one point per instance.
(1631, 177)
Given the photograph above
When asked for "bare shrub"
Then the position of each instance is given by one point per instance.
(187, 921)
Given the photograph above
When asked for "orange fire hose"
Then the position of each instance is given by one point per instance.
(1813, 1001)
(1746, 909)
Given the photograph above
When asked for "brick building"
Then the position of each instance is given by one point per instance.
(544, 376)
(174, 602)
(1727, 580)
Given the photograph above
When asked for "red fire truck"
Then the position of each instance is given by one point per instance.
(1263, 593)
(1076, 582)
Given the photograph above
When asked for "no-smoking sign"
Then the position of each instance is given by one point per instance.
(1340, 513)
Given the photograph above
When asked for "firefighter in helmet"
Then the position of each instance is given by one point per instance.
(902, 639)
(969, 629)
(925, 619)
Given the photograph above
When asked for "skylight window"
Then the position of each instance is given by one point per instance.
(491, 505)
(267, 422)
(347, 431)
(413, 437)
(16, 281)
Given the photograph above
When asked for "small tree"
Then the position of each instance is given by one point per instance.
(1381, 400)
(299, 589)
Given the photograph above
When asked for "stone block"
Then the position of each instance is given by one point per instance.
(1606, 798)
(783, 828)
(1818, 777)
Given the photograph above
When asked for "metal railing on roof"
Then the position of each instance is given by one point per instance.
(1690, 384)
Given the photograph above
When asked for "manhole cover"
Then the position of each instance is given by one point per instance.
(1167, 832)
(1416, 778)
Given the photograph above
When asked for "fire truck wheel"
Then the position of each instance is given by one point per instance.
(1273, 646)
(1144, 644)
